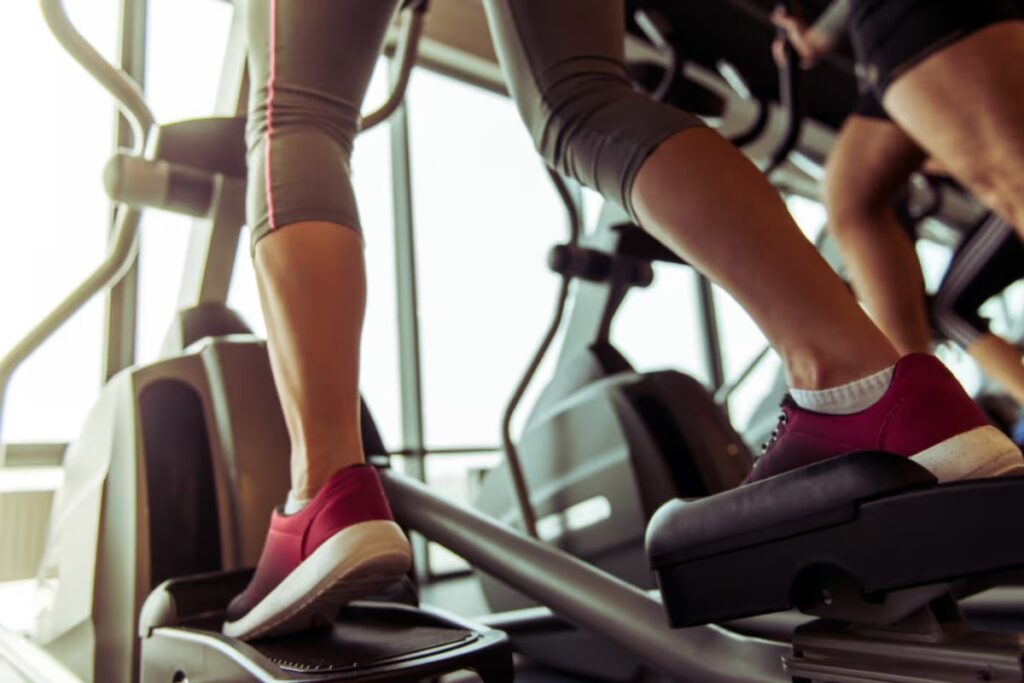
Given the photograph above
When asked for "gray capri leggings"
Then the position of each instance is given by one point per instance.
(311, 62)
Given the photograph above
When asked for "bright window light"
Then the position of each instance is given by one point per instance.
(180, 84)
(30, 479)
(56, 134)
(486, 214)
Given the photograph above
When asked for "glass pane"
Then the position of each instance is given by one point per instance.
(935, 260)
(55, 141)
(658, 327)
(1001, 311)
(456, 478)
(742, 340)
(184, 53)
(486, 215)
(371, 175)
(379, 371)
(19, 601)
(180, 84)
(809, 215)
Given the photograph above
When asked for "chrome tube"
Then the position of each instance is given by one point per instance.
(405, 53)
(123, 250)
(118, 83)
(124, 238)
(583, 595)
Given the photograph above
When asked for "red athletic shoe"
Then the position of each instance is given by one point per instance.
(925, 415)
(342, 546)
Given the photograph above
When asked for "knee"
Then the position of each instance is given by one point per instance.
(299, 150)
(593, 126)
(305, 118)
(563, 114)
(851, 214)
(857, 203)
(999, 185)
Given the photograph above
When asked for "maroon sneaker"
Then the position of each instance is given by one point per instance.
(925, 415)
(342, 546)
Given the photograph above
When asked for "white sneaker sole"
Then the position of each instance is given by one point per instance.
(354, 563)
(980, 453)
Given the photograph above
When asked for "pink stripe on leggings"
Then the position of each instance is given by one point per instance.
(270, 108)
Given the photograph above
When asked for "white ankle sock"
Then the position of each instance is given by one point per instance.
(293, 504)
(847, 398)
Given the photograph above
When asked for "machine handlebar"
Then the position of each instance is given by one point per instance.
(657, 29)
(120, 85)
(130, 99)
(790, 96)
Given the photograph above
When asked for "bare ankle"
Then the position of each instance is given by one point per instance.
(813, 370)
(310, 472)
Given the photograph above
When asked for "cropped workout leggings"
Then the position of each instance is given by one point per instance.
(311, 62)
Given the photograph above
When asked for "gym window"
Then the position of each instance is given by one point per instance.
(56, 134)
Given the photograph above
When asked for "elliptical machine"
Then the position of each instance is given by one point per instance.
(605, 446)
(169, 488)
(231, 400)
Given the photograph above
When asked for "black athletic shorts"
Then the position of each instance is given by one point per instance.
(891, 36)
(870, 106)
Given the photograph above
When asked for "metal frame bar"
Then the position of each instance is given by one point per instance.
(447, 451)
(708, 312)
(122, 300)
(34, 454)
(409, 356)
(124, 90)
(402, 61)
(777, 627)
(584, 595)
(124, 238)
(213, 240)
(31, 661)
(727, 389)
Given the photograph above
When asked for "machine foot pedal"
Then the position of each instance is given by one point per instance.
(379, 641)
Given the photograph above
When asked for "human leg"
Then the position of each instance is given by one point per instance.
(698, 194)
(867, 169)
(310, 66)
(1002, 361)
(304, 115)
(682, 182)
(960, 98)
(990, 260)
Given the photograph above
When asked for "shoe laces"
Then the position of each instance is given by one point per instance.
(783, 419)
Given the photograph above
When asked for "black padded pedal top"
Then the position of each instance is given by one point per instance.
(863, 526)
(364, 636)
(821, 495)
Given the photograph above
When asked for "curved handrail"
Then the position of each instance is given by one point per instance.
(123, 250)
(405, 54)
(657, 30)
(520, 487)
(791, 99)
(735, 80)
(124, 239)
(118, 83)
